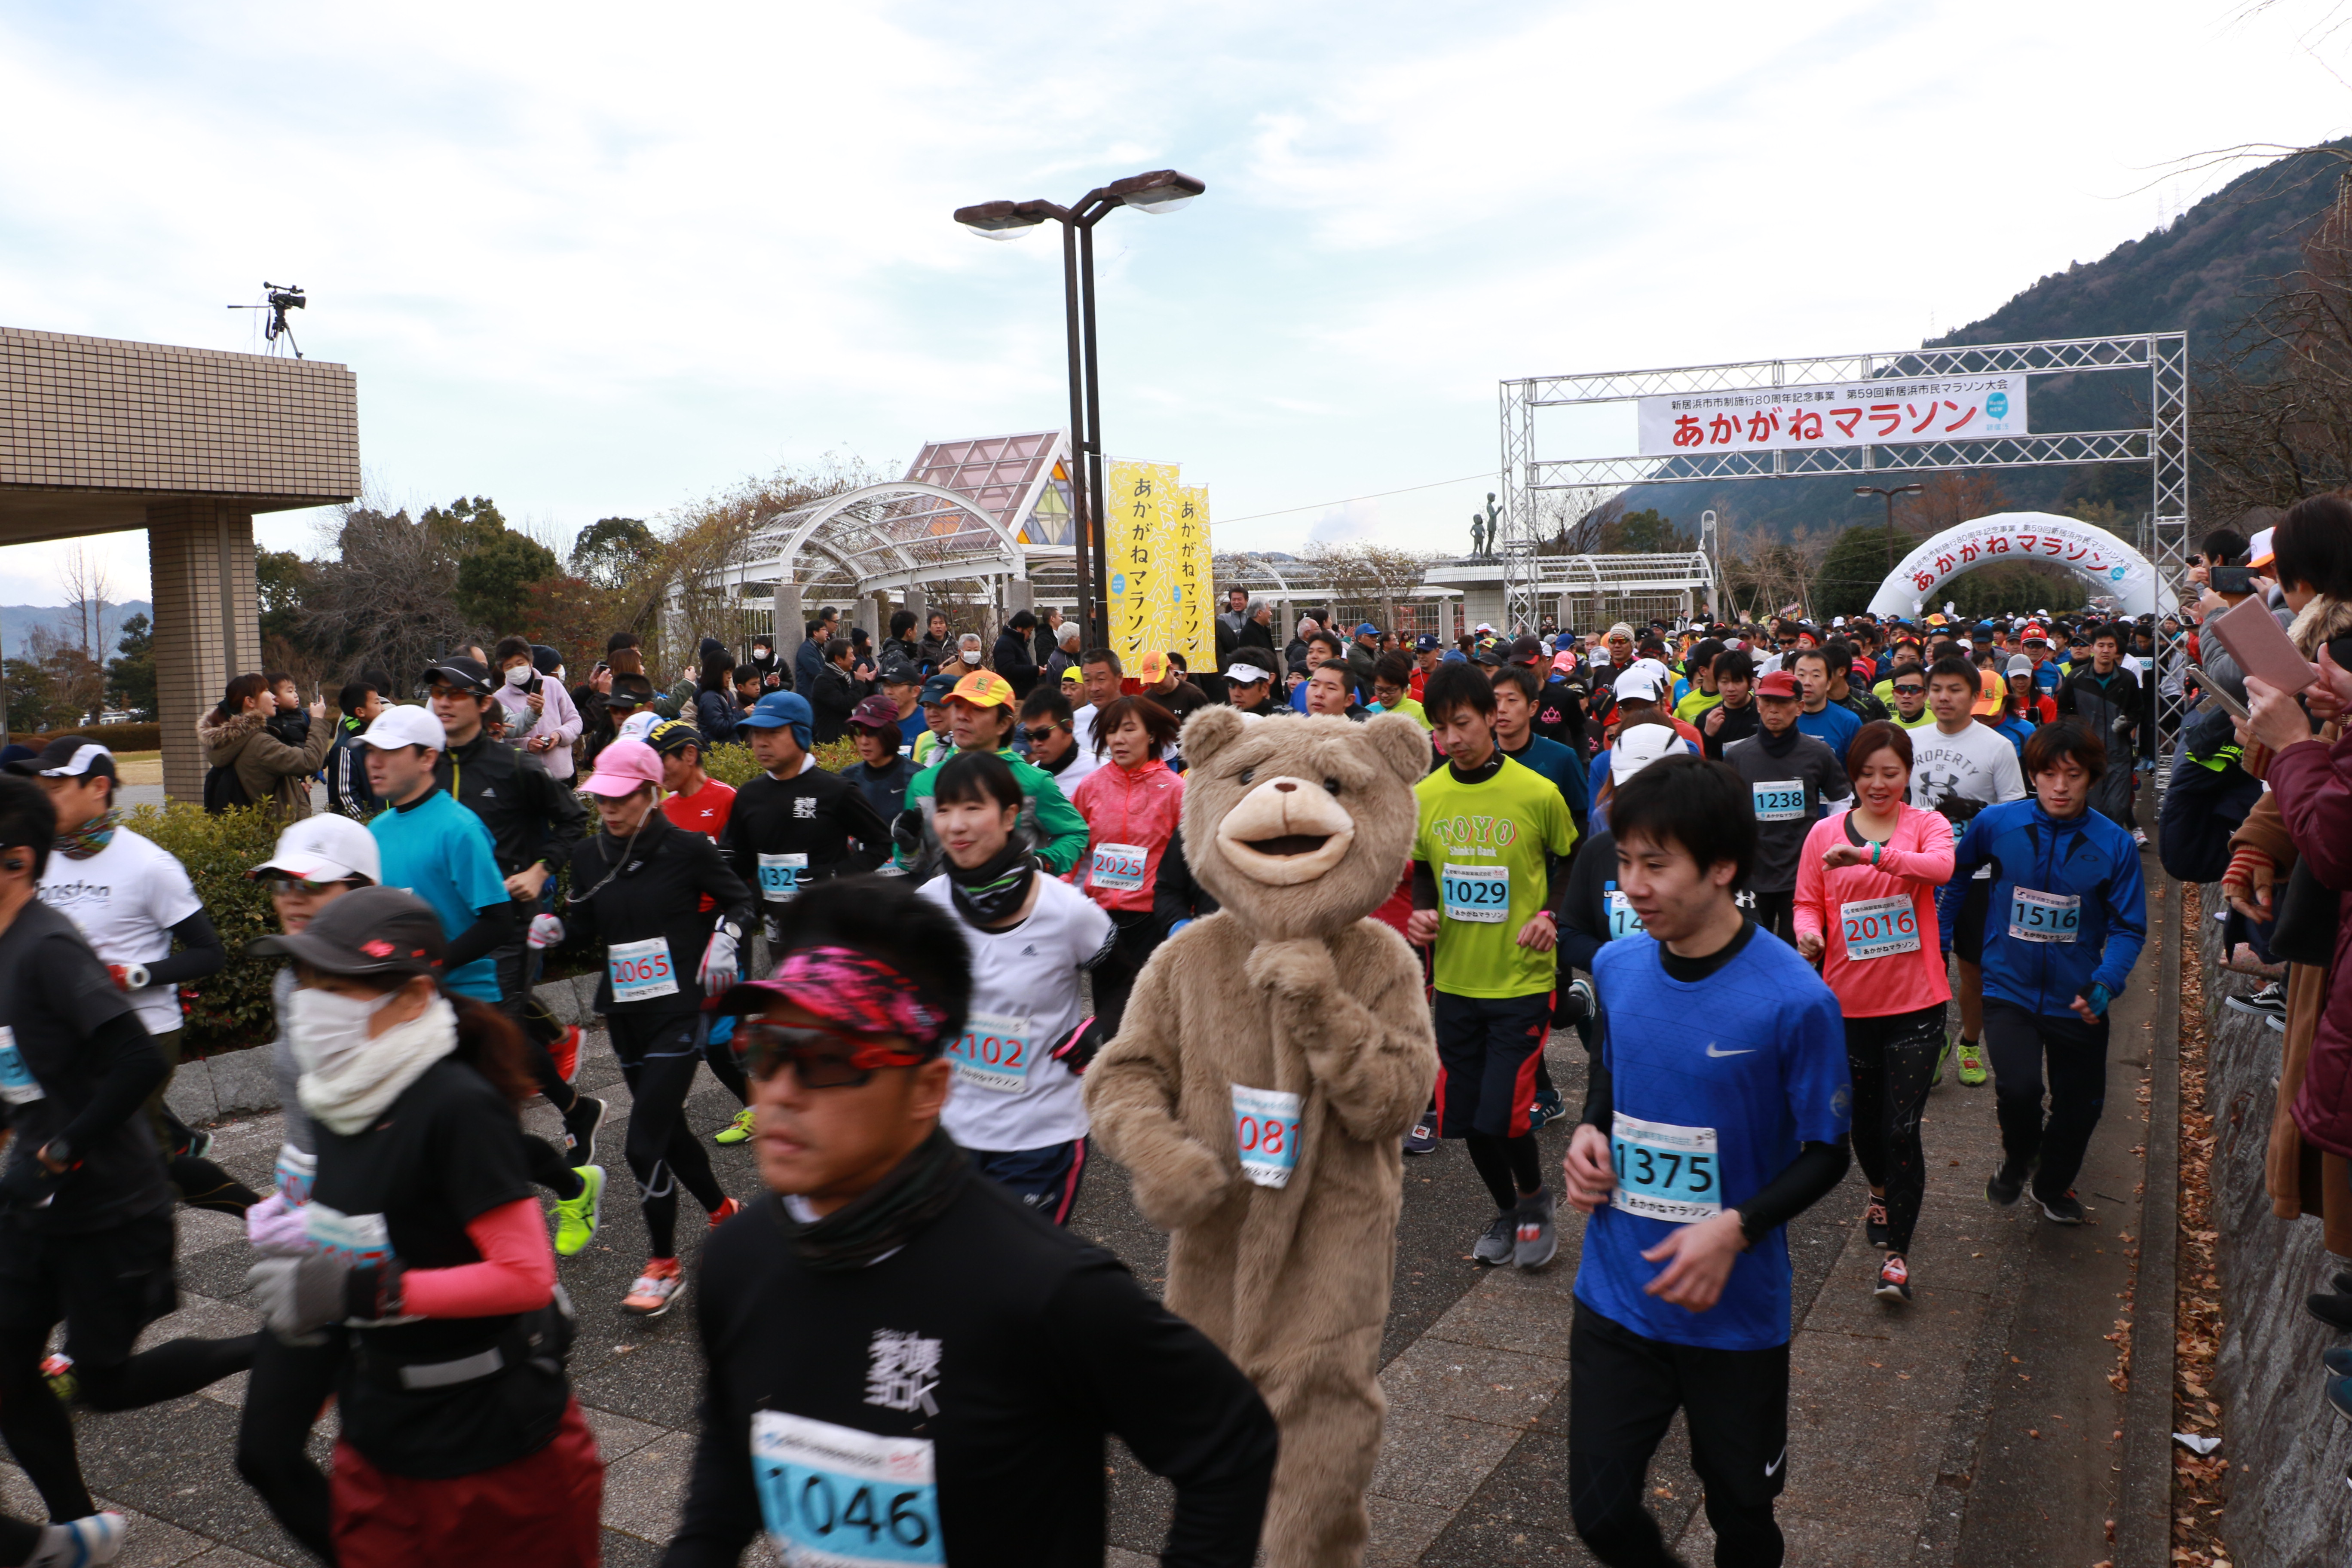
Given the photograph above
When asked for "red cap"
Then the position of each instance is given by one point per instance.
(1779, 683)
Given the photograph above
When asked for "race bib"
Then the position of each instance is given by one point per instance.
(1118, 868)
(1622, 922)
(363, 1241)
(641, 970)
(1665, 1172)
(1779, 802)
(2044, 917)
(1480, 894)
(994, 1053)
(1266, 1131)
(17, 1084)
(832, 1497)
(1876, 928)
(780, 877)
(294, 1172)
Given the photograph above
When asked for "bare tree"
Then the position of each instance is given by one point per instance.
(1368, 581)
(389, 602)
(1571, 522)
(88, 586)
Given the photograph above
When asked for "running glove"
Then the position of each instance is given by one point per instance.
(718, 966)
(2099, 996)
(906, 830)
(128, 976)
(297, 1296)
(546, 931)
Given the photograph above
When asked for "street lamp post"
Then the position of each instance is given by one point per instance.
(1162, 191)
(1890, 495)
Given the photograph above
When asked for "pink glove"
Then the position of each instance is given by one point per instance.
(546, 931)
(275, 1230)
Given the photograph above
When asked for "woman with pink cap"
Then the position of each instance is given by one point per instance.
(637, 892)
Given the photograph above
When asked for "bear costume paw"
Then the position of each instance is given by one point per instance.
(1299, 968)
(1179, 1183)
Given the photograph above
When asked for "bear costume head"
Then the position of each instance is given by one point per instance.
(1300, 826)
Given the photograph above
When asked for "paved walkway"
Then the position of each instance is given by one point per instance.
(1978, 1426)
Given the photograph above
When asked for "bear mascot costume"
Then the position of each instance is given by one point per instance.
(1271, 1060)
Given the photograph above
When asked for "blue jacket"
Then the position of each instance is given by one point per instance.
(2087, 857)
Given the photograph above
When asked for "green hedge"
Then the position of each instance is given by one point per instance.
(733, 764)
(113, 737)
(229, 1011)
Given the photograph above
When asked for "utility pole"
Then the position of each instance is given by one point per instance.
(1890, 495)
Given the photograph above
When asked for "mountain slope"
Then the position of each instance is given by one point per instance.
(2200, 273)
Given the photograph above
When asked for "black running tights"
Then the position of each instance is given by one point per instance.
(1892, 1062)
(35, 1424)
(659, 1060)
(290, 1386)
(1503, 1162)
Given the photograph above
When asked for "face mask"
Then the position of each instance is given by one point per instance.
(558, 676)
(326, 1029)
(518, 676)
(759, 652)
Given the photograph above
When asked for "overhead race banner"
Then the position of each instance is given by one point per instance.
(1848, 414)
(2107, 566)
(1158, 546)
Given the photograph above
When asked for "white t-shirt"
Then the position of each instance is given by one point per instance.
(1009, 1093)
(1082, 726)
(1978, 764)
(126, 899)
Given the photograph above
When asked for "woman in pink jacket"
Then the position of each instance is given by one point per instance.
(1131, 810)
(1867, 885)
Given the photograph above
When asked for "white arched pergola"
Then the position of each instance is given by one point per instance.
(2108, 565)
(883, 537)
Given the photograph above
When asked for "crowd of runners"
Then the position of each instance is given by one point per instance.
(1750, 867)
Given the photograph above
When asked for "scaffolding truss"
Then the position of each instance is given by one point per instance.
(2162, 443)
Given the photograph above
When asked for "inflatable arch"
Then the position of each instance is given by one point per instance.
(2107, 565)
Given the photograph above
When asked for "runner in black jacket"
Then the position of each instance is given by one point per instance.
(904, 1364)
(794, 824)
(634, 902)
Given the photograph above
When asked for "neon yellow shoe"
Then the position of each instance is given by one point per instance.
(737, 1131)
(1972, 1065)
(576, 1219)
(1943, 1059)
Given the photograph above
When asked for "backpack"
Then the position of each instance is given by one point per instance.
(224, 790)
(2202, 806)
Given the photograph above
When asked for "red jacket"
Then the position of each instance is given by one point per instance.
(1140, 810)
(2314, 786)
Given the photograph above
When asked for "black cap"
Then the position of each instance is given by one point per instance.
(545, 660)
(630, 691)
(465, 674)
(368, 931)
(68, 757)
(1526, 651)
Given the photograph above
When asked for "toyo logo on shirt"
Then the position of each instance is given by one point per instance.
(1464, 832)
(903, 1370)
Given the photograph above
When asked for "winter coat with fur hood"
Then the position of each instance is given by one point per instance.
(270, 770)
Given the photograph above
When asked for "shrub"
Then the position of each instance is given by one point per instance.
(731, 763)
(113, 737)
(229, 1011)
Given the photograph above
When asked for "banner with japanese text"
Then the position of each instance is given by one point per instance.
(1851, 413)
(1158, 545)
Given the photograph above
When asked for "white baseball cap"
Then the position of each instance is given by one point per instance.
(1637, 685)
(1247, 674)
(1638, 747)
(327, 847)
(407, 725)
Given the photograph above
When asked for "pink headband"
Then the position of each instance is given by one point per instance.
(856, 991)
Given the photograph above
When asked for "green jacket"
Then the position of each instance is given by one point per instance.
(1053, 824)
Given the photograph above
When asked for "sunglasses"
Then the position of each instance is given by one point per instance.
(1910, 691)
(1039, 737)
(821, 1058)
(294, 887)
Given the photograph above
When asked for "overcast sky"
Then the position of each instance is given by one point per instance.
(599, 260)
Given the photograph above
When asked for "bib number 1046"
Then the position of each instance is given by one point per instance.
(838, 1498)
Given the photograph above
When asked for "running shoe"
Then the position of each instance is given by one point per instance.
(737, 1131)
(1972, 1064)
(200, 1147)
(58, 1372)
(565, 1049)
(2002, 1188)
(2332, 1308)
(657, 1290)
(2339, 1397)
(1547, 1108)
(580, 1124)
(2337, 1361)
(2062, 1208)
(92, 1540)
(1941, 1058)
(2140, 837)
(1501, 1240)
(1422, 1139)
(1893, 1279)
(576, 1219)
(1537, 1240)
(1873, 1222)
(2269, 1001)
(728, 1209)
(2275, 1024)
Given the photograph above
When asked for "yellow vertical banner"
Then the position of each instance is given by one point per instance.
(1134, 549)
(1190, 631)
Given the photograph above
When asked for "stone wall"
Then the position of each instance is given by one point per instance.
(2289, 1506)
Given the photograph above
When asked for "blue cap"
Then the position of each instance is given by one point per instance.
(783, 710)
(1454, 656)
(936, 690)
(1564, 643)
(1424, 644)
(1367, 630)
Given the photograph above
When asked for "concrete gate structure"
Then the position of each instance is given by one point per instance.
(98, 435)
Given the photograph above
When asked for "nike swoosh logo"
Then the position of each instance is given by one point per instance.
(1713, 1052)
(1774, 1466)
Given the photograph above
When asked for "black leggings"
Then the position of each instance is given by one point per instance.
(1776, 912)
(290, 1386)
(1114, 978)
(658, 1058)
(549, 1169)
(1892, 1062)
(18, 1541)
(2017, 1041)
(725, 1065)
(1502, 1162)
(33, 1423)
(539, 1030)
